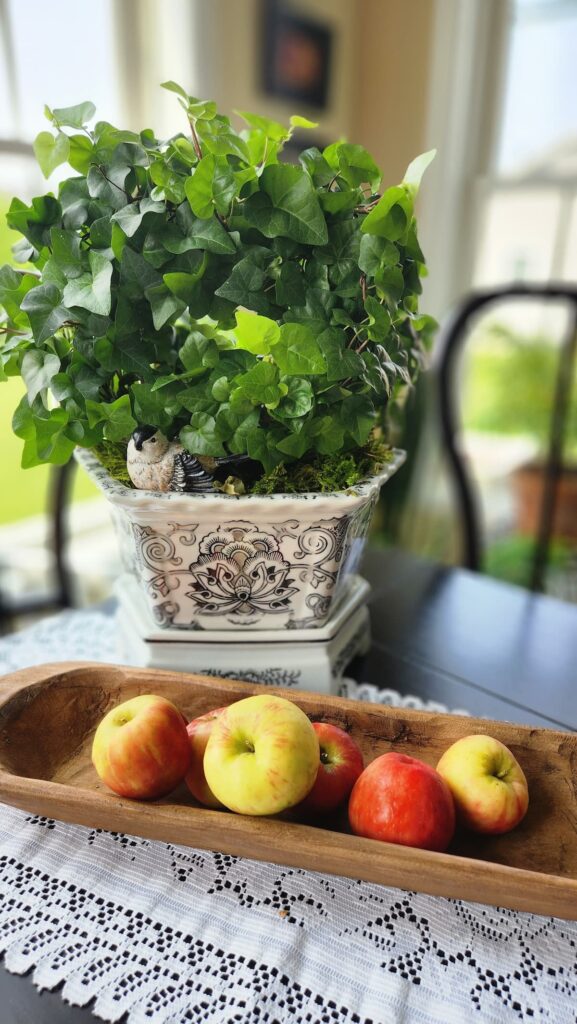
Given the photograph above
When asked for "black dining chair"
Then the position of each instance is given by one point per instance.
(449, 350)
(61, 592)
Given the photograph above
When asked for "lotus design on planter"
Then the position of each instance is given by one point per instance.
(236, 575)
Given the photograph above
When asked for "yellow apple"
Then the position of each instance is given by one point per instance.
(262, 755)
(487, 782)
(141, 748)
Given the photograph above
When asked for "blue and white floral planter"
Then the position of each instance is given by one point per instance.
(216, 561)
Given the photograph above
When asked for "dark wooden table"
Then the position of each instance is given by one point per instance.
(441, 634)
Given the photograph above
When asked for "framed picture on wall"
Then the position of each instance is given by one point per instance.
(296, 61)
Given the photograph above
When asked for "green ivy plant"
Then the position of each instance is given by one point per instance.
(202, 286)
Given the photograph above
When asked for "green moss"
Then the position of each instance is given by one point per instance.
(325, 473)
(112, 455)
(322, 474)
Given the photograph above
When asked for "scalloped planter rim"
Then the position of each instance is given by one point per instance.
(254, 562)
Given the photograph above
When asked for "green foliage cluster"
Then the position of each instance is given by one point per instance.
(201, 286)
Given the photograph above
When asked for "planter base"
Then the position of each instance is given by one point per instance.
(277, 658)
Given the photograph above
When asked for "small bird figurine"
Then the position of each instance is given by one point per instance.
(156, 464)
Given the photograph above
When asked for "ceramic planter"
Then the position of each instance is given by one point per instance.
(214, 561)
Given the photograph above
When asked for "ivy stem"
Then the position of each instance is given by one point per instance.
(365, 207)
(195, 139)
(363, 284)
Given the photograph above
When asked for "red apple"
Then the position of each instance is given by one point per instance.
(341, 763)
(141, 748)
(198, 732)
(399, 799)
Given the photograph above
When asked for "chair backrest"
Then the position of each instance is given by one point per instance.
(450, 347)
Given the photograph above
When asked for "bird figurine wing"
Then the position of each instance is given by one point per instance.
(188, 475)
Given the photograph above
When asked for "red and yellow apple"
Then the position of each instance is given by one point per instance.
(341, 763)
(487, 782)
(198, 732)
(262, 755)
(399, 799)
(141, 748)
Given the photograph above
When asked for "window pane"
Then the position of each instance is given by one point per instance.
(540, 111)
(518, 236)
(62, 67)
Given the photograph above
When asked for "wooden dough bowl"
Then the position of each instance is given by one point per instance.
(48, 715)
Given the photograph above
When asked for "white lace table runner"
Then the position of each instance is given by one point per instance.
(170, 935)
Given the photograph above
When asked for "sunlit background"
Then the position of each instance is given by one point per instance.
(490, 83)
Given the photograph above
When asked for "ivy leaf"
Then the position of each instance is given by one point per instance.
(107, 184)
(45, 311)
(342, 362)
(212, 185)
(198, 188)
(392, 215)
(263, 446)
(80, 150)
(199, 234)
(417, 168)
(327, 433)
(358, 417)
(92, 290)
(271, 129)
(256, 334)
(244, 286)
(287, 205)
(198, 353)
(340, 202)
(295, 445)
(13, 287)
(49, 442)
(390, 285)
(342, 257)
(116, 417)
(376, 253)
(260, 386)
(298, 352)
(164, 304)
(290, 285)
(379, 319)
(202, 436)
(175, 87)
(38, 369)
(51, 151)
(129, 217)
(316, 166)
(184, 286)
(150, 406)
(298, 400)
(34, 221)
(297, 121)
(66, 252)
(74, 117)
(353, 163)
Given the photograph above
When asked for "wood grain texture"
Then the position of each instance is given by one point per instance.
(48, 716)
